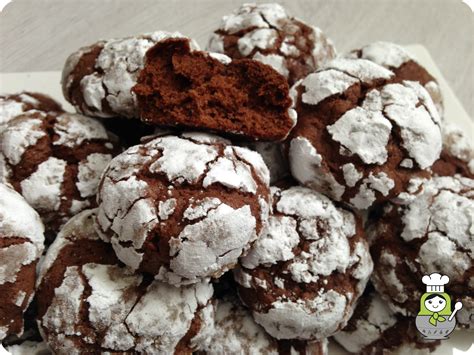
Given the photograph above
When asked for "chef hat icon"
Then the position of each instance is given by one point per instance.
(435, 282)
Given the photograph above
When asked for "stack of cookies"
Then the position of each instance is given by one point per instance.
(256, 198)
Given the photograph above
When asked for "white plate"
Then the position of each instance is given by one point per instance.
(461, 342)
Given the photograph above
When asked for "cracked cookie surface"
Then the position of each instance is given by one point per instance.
(302, 277)
(184, 207)
(265, 32)
(55, 162)
(360, 138)
(432, 233)
(21, 245)
(88, 302)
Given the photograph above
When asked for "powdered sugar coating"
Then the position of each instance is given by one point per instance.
(265, 32)
(21, 245)
(308, 240)
(439, 223)
(237, 333)
(396, 58)
(375, 328)
(115, 72)
(124, 313)
(458, 152)
(346, 155)
(15, 105)
(215, 228)
(54, 161)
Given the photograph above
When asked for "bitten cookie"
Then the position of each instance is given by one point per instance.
(185, 207)
(55, 162)
(432, 234)
(21, 245)
(97, 79)
(457, 156)
(184, 87)
(403, 64)
(90, 303)
(16, 104)
(265, 32)
(359, 138)
(304, 274)
(375, 329)
(237, 333)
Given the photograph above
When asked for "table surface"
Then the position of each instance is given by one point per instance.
(39, 35)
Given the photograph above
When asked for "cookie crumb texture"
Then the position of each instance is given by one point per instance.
(303, 275)
(266, 33)
(432, 233)
(21, 245)
(17, 104)
(97, 79)
(237, 333)
(185, 207)
(90, 303)
(55, 162)
(360, 138)
(376, 329)
(182, 87)
(457, 156)
(404, 66)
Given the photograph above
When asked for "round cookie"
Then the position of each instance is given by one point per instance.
(180, 86)
(21, 245)
(265, 32)
(237, 333)
(403, 64)
(55, 162)
(432, 234)
(90, 303)
(304, 274)
(375, 329)
(16, 104)
(359, 138)
(97, 79)
(457, 156)
(184, 207)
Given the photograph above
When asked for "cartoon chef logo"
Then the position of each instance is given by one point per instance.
(436, 317)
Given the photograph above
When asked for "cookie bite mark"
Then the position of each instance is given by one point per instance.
(197, 90)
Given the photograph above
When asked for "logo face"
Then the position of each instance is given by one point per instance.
(436, 318)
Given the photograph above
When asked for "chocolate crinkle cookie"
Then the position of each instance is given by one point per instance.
(90, 303)
(21, 245)
(361, 139)
(302, 277)
(237, 333)
(403, 64)
(183, 208)
(376, 329)
(432, 233)
(55, 162)
(17, 104)
(266, 33)
(97, 79)
(184, 87)
(457, 156)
